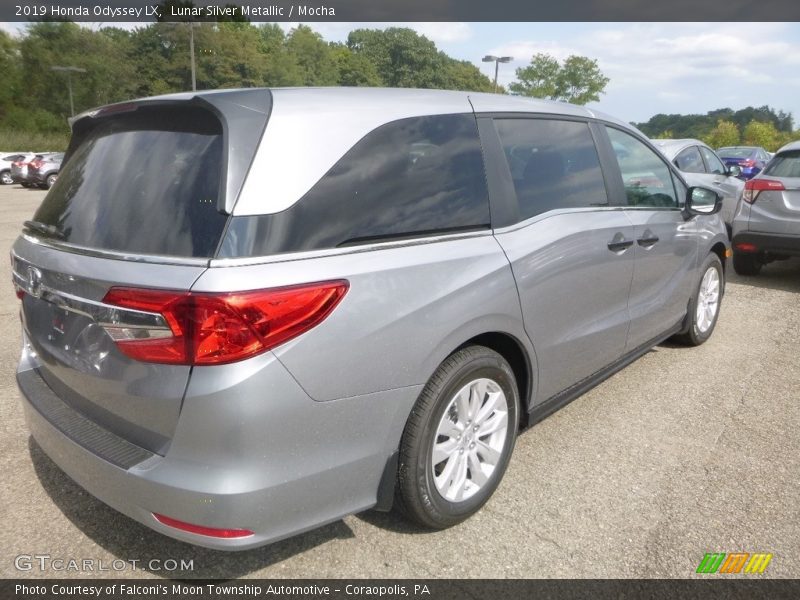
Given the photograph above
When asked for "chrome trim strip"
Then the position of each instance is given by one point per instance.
(294, 256)
(103, 314)
(113, 255)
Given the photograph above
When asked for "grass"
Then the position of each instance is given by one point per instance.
(12, 140)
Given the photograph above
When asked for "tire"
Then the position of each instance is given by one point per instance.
(26, 184)
(746, 265)
(705, 304)
(5, 178)
(425, 493)
(50, 180)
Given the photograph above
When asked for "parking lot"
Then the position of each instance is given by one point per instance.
(686, 451)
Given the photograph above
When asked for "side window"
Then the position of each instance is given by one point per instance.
(647, 178)
(690, 161)
(411, 177)
(714, 164)
(553, 163)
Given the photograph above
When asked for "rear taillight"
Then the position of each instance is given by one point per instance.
(35, 164)
(754, 187)
(749, 162)
(213, 329)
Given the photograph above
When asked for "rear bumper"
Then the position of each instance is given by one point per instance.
(277, 464)
(768, 242)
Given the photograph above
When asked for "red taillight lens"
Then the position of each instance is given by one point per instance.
(35, 164)
(212, 329)
(749, 162)
(754, 186)
(202, 530)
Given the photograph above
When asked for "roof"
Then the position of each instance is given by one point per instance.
(671, 148)
(790, 146)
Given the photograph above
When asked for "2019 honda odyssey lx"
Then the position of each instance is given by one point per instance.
(247, 313)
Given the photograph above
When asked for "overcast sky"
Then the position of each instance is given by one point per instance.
(654, 67)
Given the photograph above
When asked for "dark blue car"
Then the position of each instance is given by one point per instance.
(750, 159)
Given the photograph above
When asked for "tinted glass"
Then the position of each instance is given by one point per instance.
(690, 161)
(144, 182)
(736, 152)
(786, 164)
(714, 164)
(411, 177)
(647, 178)
(553, 163)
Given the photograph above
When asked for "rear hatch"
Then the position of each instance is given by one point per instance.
(140, 203)
(778, 210)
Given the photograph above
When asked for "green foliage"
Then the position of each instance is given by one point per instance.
(14, 140)
(578, 80)
(726, 133)
(757, 133)
(701, 126)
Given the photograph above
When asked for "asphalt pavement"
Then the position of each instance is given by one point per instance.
(686, 451)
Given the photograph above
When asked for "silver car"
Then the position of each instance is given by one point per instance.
(700, 165)
(767, 225)
(247, 313)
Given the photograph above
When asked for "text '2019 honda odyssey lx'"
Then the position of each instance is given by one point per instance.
(247, 313)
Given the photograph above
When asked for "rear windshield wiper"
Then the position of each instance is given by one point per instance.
(49, 230)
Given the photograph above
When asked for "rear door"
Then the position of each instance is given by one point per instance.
(134, 207)
(570, 250)
(666, 244)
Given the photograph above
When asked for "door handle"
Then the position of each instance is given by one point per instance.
(646, 242)
(620, 246)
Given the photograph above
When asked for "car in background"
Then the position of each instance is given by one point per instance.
(751, 159)
(701, 166)
(6, 159)
(43, 172)
(19, 168)
(767, 225)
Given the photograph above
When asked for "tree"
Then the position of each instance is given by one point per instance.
(726, 133)
(578, 80)
(401, 56)
(761, 134)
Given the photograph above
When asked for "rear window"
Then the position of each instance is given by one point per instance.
(786, 164)
(735, 152)
(409, 178)
(145, 182)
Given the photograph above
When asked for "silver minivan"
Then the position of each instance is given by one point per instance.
(247, 313)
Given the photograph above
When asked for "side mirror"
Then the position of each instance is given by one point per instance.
(734, 170)
(702, 201)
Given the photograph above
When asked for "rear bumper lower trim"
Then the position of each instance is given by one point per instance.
(769, 242)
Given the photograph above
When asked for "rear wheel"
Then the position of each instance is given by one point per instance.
(705, 304)
(746, 264)
(51, 179)
(458, 439)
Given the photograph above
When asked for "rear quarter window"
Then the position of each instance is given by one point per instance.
(409, 178)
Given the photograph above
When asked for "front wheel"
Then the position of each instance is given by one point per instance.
(458, 439)
(705, 304)
(5, 178)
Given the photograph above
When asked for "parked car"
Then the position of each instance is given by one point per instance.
(5, 166)
(767, 224)
(247, 313)
(43, 171)
(751, 159)
(20, 168)
(701, 166)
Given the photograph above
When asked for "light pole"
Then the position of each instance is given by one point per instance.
(191, 51)
(497, 60)
(69, 71)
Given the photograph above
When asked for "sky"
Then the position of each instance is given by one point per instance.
(686, 68)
